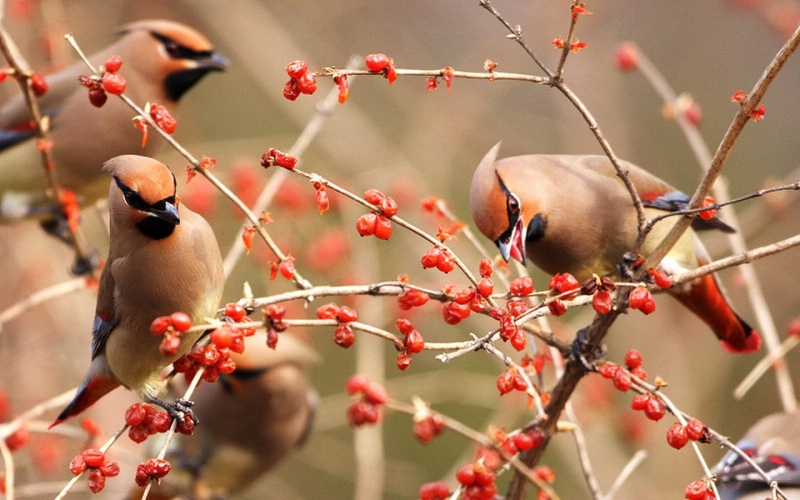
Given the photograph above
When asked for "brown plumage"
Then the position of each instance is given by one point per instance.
(161, 61)
(163, 258)
(572, 214)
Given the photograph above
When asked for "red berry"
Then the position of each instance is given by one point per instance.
(638, 297)
(366, 224)
(485, 287)
(383, 228)
(39, 85)
(327, 311)
(307, 83)
(93, 457)
(626, 56)
(296, 69)
(696, 490)
(414, 342)
(622, 380)
(431, 257)
(18, 439)
(649, 305)
(695, 429)
(286, 268)
(633, 359)
(505, 382)
(357, 383)
(523, 441)
(97, 481)
(518, 340)
(563, 283)
(486, 268)
(607, 370)
(374, 196)
(170, 345)
(109, 468)
(654, 409)
(322, 199)
(412, 298)
(601, 302)
(640, 401)
(557, 307)
(97, 97)
(465, 475)
(446, 262)
(376, 62)
(676, 436)
(160, 325)
(158, 467)
(235, 312)
(135, 414)
(388, 206)
(793, 329)
(346, 314)
(521, 286)
(291, 90)
(77, 465)
(434, 491)
(163, 118)
(113, 64)
(113, 83)
(344, 336)
(181, 321)
(709, 214)
(454, 313)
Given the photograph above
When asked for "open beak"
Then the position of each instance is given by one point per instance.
(514, 246)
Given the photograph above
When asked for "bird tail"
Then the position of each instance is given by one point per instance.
(706, 299)
(94, 387)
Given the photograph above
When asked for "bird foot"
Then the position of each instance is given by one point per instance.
(578, 351)
(178, 409)
(85, 265)
(626, 268)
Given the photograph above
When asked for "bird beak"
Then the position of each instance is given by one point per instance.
(214, 63)
(514, 246)
(169, 213)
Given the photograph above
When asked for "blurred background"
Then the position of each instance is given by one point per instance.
(411, 144)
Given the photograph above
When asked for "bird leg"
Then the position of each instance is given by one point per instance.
(177, 409)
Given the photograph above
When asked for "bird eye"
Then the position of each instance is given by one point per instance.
(130, 197)
(172, 48)
(512, 204)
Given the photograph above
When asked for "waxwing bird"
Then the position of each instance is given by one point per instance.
(572, 214)
(774, 444)
(162, 258)
(161, 61)
(253, 417)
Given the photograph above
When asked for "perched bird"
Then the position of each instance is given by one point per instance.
(252, 418)
(774, 444)
(572, 214)
(163, 258)
(161, 61)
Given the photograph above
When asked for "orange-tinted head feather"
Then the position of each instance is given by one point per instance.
(148, 177)
(487, 199)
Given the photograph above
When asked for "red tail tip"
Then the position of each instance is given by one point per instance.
(752, 343)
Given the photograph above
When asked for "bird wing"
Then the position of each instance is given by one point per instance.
(105, 318)
(678, 200)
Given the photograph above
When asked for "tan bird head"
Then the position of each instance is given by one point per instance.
(499, 212)
(143, 194)
(170, 52)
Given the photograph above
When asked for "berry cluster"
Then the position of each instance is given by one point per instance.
(95, 461)
(216, 361)
(145, 420)
(154, 468)
(110, 82)
(679, 434)
(377, 222)
(367, 408)
(477, 479)
(285, 268)
(171, 327)
(412, 344)
(560, 284)
(621, 377)
(343, 335)
(301, 80)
